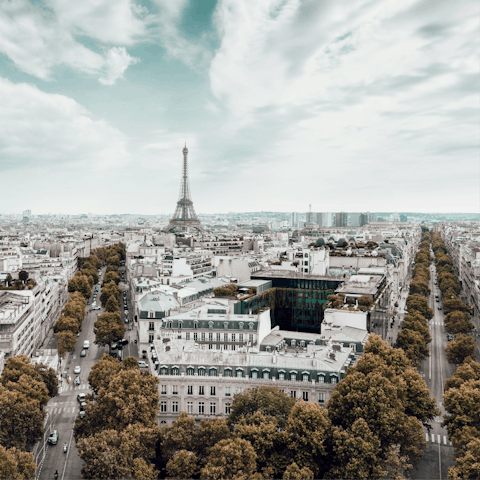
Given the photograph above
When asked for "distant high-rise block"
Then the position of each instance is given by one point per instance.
(341, 219)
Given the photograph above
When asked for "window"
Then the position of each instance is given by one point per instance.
(254, 374)
(217, 346)
(201, 408)
(233, 337)
(210, 324)
(187, 336)
(333, 379)
(293, 376)
(227, 373)
(321, 398)
(293, 394)
(225, 337)
(175, 371)
(175, 407)
(321, 379)
(240, 325)
(240, 337)
(225, 325)
(212, 390)
(163, 406)
(179, 325)
(266, 375)
(202, 336)
(150, 337)
(169, 324)
(201, 372)
(213, 372)
(305, 377)
(164, 371)
(305, 396)
(164, 389)
(239, 373)
(212, 408)
(227, 409)
(239, 389)
(195, 325)
(189, 407)
(151, 326)
(201, 390)
(227, 391)
(175, 389)
(195, 336)
(218, 337)
(210, 346)
(250, 326)
(281, 376)
(190, 371)
(233, 347)
(190, 390)
(210, 337)
(151, 314)
(250, 337)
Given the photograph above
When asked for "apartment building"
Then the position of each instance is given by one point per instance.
(203, 382)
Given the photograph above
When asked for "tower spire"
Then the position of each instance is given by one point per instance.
(184, 218)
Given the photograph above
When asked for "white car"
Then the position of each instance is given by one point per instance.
(142, 364)
(77, 370)
(86, 344)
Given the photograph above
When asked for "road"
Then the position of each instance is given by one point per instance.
(435, 370)
(63, 409)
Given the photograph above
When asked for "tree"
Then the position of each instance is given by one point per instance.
(396, 465)
(103, 371)
(112, 305)
(109, 290)
(467, 463)
(459, 349)
(130, 397)
(294, 472)
(415, 321)
(230, 459)
(182, 465)
(112, 454)
(108, 329)
(463, 417)
(270, 401)
(469, 370)
(31, 388)
(111, 277)
(207, 434)
(307, 430)
(69, 324)
(21, 420)
(365, 300)
(65, 342)
(417, 302)
(177, 437)
(79, 283)
(413, 344)
(355, 452)
(15, 464)
(452, 304)
(419, 287)
(458, 322)
(9, 280)
(23, 276)
(268, 441)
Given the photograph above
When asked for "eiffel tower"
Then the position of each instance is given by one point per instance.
(184, 219)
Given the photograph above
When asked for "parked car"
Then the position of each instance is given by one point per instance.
(86, 344)
(77, 381)
(142, 364)
(83, 353)
(124, 341)
(97, 307)
(439, 307)
(53, 438)
(77, 369)
(81, 397)
(81, 414)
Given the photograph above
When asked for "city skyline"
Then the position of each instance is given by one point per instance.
(282, 104)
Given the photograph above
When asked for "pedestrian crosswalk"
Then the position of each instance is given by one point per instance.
(58, 410)
(69, 388)
(439, 439)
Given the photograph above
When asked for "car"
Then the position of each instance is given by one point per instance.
(77, 369)
(78, 334)
(81, 413)
(81, 397)
(437, 299)
(83, 353)
(142, 364)
(126, 312)
(96, 307)
(124, 341)
(88, 302)
(86, 344)
(53, 438)
(450, 337)
(77, 381)
(439, 307)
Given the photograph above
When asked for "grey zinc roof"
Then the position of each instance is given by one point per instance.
(158, 302)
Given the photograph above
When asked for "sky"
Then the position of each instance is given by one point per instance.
(365, 105)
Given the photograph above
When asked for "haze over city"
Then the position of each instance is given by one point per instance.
(282, 104)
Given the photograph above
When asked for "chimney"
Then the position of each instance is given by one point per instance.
(332, 355)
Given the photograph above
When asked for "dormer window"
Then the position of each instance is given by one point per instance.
(240, 325)
(225, 325)
(151, 314)
(250, 326)
(210, 325)
(195, 325)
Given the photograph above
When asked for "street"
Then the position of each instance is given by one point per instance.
(63, 409)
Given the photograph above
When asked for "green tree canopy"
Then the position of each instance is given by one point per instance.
(458, 322)
(413, 344)
(417, 302)
(108, 329)
(460, 348)
(112, 304)
(65, 342)
(15, 464)
(111, 277)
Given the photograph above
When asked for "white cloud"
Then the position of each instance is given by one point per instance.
(120, 22)
(116, 62)
(37, 43)
(37, 128)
